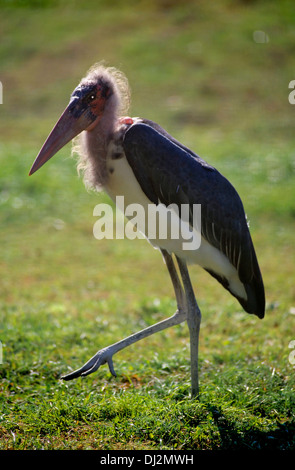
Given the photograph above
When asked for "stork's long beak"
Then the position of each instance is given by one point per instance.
(73, 120)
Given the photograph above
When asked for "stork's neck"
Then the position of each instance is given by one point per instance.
(94, 146)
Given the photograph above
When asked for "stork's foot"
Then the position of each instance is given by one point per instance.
(104, 356)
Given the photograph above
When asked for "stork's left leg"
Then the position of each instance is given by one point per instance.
(194, 323)
(105, 355)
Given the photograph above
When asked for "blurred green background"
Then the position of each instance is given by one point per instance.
(216, 76)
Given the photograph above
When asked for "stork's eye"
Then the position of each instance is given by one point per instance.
(90, 97)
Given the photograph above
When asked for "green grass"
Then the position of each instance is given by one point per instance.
(196, 70)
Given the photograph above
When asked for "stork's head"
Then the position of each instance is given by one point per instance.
(96, 92)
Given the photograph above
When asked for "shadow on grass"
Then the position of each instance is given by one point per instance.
(236, 435)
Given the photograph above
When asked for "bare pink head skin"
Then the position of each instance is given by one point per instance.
(95, 106)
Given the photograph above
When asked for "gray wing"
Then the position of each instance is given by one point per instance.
(172, 174)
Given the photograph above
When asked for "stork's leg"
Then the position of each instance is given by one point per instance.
(194, 323)
(105, 355)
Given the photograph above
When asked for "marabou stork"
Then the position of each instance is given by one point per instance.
(138, 159)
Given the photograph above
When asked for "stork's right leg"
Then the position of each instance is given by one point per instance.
(194, 323)
(105, 355)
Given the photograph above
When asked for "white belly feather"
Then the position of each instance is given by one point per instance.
(122, 182)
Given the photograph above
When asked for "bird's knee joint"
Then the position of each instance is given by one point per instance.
(180, 313)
